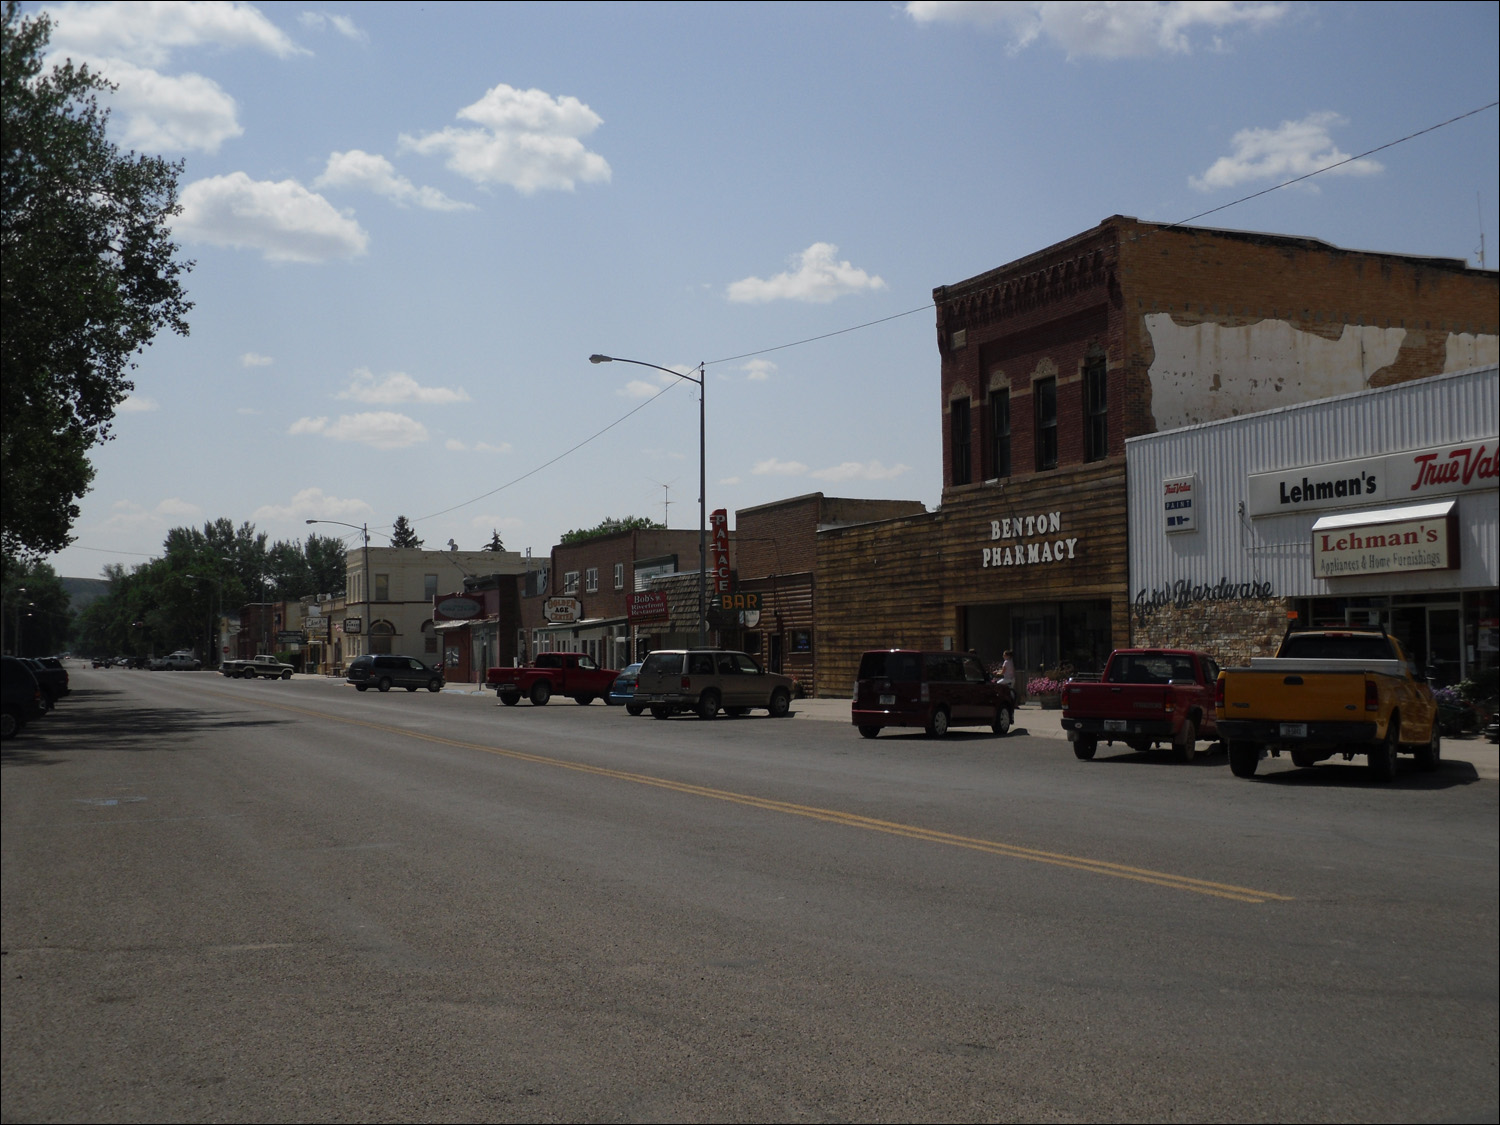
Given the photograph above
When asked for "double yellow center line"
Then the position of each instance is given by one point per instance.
(831, 816)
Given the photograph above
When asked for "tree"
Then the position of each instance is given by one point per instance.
(611, 526)
(402, 534)
(36, 617)
(494, 544)
(90, 276)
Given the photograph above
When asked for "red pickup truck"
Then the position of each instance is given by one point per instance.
(572, 674)
(1145, 696)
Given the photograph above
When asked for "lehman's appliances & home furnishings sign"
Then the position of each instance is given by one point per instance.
(1359, 545)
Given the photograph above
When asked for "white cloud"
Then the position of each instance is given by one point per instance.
(255, 359)
(368, 171)
(148, 31)
(817, 277)
(1293, 148)
(174, 113)
(316, 21)
(397, 387)
(525, 138)
(283, 220)
(310, 504)
(860, 470)
(1102, 28)
(128, 514)
(759, 370)
(382, 429)
(137, 404)
(773, 467)
(456, 446)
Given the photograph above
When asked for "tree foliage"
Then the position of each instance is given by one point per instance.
(173, 601)
(610, 527)
(90, 276)
(36, 614)
(404, 535)
(494, 544)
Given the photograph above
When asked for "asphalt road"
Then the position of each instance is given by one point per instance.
(268, 901)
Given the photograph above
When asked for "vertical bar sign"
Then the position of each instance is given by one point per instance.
(718, 520)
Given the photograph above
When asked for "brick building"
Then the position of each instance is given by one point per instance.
(777, 550)
(1050, 362)
(586, 587)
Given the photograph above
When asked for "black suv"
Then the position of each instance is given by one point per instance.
(385, 672)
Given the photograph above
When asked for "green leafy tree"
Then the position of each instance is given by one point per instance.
(494, 544)
(37, 617)
(403, 535)
(90, 276)
(611, 526)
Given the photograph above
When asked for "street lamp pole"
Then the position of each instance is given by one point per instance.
(363, 529)
(702, 485)
(215, 656)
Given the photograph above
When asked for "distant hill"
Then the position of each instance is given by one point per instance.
(83, 592)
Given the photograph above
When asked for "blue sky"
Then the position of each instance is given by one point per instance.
(414, 223)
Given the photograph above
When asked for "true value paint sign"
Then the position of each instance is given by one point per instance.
(1029, 540)
(1396, 478)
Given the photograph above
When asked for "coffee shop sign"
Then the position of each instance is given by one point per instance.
(1037, 539)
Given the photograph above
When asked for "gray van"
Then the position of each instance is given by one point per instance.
(703, 680)
(385, 672)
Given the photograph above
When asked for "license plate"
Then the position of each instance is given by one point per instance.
(1114, 724)
(1293, 730)
(888, 701)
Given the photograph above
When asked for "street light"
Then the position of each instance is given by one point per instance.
(363, 529)
(215, 655)
(702, 488)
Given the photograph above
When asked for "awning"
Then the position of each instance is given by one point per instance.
(1386, 515)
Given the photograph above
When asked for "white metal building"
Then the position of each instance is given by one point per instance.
(1380, 507)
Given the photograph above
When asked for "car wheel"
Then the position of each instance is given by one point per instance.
(1382, 758)
(1003, 719)
(781, 703)
(1430, 757)
(869, 732)
(1085, 748)
(434, 684)
(10, 724)
(287, 675)
(384, 684)
(633, 708)
(510, 698)
(937, 726)
(1304, 759)
(660, 712)
(1187, 741)
(246, 674)
(361, 687)
(1244, 759)
(708, 705)
(541, 691)
(583, 700)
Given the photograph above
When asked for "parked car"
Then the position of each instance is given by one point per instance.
(1145, 696)
(58, 670)
(705, 680)
(21, 698)
(267, 667)
(52, 682)
(573, 674)
(180, 661)
(931, 690)
(623, 690)
(383, 672)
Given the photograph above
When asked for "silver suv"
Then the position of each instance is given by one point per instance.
(385, 672)
(703, 680)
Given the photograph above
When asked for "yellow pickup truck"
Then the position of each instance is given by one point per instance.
(1328, 692)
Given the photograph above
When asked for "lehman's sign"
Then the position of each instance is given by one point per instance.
(1397, 478)
(1033, 539)
(1358, 545)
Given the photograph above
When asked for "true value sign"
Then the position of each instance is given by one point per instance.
(1395, 478)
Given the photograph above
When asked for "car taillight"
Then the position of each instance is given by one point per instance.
(686, 683)
(1372, 696)
(1219, 694)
